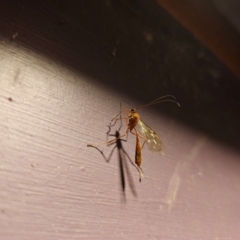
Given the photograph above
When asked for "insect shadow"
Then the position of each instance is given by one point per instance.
(122, 157)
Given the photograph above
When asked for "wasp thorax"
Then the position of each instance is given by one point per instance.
(133, 118)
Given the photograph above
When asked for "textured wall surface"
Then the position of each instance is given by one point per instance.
(63, 71)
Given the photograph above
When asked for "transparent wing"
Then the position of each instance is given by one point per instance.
(153, 141)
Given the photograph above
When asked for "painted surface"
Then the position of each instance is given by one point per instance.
(53, 187)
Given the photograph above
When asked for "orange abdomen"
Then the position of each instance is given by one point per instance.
(138, 153)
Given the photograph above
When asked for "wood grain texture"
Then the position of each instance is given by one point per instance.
(61, 84)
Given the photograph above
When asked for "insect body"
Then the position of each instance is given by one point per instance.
(152, 139)
(141, 129)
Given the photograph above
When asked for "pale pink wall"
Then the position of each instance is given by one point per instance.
(53, 187)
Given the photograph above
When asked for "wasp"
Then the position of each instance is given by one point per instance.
(141, 130)
(137, 127)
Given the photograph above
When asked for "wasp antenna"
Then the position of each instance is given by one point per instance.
(169, 100)
(163, 97)
(166, 98)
